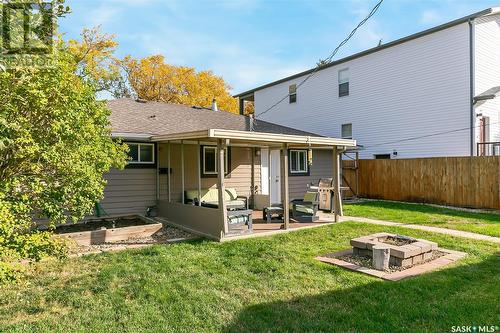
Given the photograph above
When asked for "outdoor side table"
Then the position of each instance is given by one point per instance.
(268, 212)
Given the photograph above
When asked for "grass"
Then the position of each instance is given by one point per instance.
(483, 223)
(270, 284)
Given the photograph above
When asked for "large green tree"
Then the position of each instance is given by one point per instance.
(55, 146)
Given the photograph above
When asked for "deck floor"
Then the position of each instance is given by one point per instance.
(262, 227)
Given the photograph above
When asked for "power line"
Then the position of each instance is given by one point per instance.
(426, 136)
(328, 60)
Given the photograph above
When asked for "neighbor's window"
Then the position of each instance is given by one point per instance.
(292, 92)
(141, 153)
(346, 131)
(298, 161)
(344, 82)
(382, 156)
(209, 161)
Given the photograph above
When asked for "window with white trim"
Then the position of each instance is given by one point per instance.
(292, 93)
(298, 161)
(344, 82)
(210, 161)
(141, 153)
(346, 131)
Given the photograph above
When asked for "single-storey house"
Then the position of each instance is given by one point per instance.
(181, 155)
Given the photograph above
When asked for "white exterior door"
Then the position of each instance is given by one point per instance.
(275, 177)
(264, 170)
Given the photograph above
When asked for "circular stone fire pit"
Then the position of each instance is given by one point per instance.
(404, 251)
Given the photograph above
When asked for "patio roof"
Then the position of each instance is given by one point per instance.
(194, 216)
(256, 137)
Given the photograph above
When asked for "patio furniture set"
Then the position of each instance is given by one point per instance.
(239, 214)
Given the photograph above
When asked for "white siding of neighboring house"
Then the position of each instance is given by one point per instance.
(416, 88)
(487, 69)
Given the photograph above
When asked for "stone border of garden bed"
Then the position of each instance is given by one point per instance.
(450, 257)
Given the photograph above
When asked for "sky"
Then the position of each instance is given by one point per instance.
(253, 42)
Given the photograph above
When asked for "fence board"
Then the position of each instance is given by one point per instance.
(455, 181)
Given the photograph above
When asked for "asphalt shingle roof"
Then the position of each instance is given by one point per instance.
(155, 118)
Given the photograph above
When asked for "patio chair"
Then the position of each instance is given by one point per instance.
(238, 214)
(304, 210)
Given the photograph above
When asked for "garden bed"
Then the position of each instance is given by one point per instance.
(91, 225)
(95, 232)
(166, 235)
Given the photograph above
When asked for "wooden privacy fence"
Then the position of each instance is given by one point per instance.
(455, 181)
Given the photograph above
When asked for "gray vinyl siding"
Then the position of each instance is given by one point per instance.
(321, 168)
(129, 191)
(239, 177)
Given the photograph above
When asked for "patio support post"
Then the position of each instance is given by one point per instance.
(198, 162)
(182, 171)
(337, 201)
(220, 183)
(252, 183)
(157, 177)
(168, 171)
(284, 186)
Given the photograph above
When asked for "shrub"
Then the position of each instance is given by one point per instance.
(55, 146)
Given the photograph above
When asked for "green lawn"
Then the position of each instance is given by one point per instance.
(483, 223)
(270, 284)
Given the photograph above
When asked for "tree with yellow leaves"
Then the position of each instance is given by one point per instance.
(94, 56)
(152, 79)
(149, 78)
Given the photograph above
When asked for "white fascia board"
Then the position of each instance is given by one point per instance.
(494, 10)
(256, 137)
(132, 136)
(182, 136)
(281, 138)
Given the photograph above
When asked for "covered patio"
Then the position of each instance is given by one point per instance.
(212, 221)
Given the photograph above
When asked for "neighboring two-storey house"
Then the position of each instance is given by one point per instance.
(434, 93)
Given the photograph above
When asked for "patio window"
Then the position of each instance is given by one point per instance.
(141, 153)
(209, 161)
(298, 162)
(344, 82)
(292, 93)
(346, 131)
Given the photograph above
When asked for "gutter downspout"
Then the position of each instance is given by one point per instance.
(471, 84)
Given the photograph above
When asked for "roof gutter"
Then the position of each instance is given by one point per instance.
(303, 140)
(484, 98)
(132, 136)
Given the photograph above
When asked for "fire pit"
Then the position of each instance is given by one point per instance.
(404, 251)
(392, 257)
